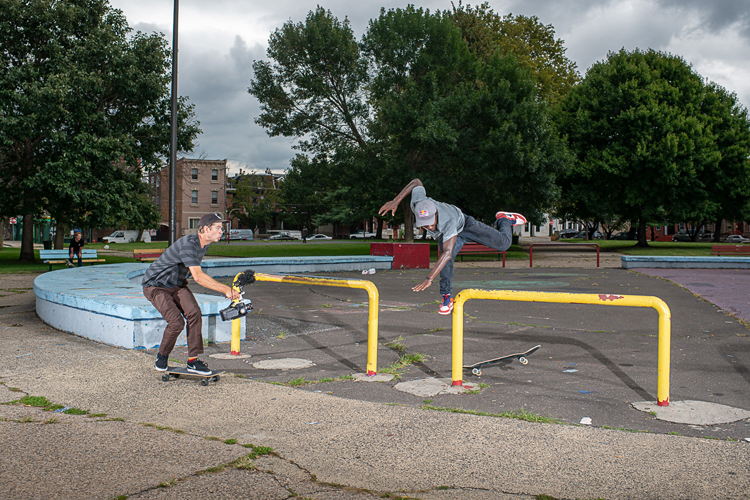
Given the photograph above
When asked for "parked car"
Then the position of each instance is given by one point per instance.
(361, 235)
(736, 238)
(706, 237)
(282, 236)
(685, 236)
(126, 236)
(240, 234)
(319, 237)
(568, 233)
(582, 235)
(623, 235)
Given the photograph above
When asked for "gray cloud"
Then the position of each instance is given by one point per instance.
(219, 40)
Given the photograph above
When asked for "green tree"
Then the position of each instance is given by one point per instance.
(532, 43)
(411, 100)
(81, 96)
(473, 130)
(640, 138)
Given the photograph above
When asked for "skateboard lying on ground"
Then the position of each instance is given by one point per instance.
(176, 371)
(476, 368)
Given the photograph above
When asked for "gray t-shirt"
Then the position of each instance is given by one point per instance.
(450, 219)
(171, 268)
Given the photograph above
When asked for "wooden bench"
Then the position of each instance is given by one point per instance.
(471, 248)
(730, 250)
(147, 254)
(62, 256)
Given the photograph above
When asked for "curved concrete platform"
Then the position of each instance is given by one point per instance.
(677, 262)
(106, 303)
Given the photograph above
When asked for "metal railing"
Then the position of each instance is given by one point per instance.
(665, 323)
(372, 321)
(561, 245)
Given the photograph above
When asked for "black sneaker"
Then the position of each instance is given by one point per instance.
(198, 367)
(161, 363)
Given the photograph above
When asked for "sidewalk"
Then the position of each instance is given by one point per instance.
(352, 444)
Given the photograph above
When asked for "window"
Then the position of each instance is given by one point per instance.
(194, 174)
(193, 223)
(214, 175)
(194, 198)
(214, 197)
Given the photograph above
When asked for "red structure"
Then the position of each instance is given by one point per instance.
(405, 255)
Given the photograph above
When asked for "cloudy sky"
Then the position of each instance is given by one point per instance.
(219, 40)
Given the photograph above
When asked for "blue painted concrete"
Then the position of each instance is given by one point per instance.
(106, 303)
(676, 262)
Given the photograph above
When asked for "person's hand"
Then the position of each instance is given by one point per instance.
(391, 205)
(425, 284)
(233, 294)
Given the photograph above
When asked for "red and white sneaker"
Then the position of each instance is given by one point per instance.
(447, 306)
(514, 218)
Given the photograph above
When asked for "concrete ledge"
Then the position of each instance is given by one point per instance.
(675, 262)
(105, 303)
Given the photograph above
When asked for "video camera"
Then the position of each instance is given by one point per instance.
(241, 308)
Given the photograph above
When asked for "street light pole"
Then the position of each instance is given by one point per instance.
(173, 139)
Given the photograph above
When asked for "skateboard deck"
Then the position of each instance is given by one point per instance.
(177, 371)
(476, 368)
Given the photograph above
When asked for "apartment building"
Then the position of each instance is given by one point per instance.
(201, 189)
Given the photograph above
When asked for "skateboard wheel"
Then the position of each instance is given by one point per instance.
(215, 378)
(165, 377)
(523, 360)
(477, 371)
(176, 375)
(204, 381)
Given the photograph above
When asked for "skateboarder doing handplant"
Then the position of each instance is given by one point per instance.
(451, 228)
(165, 286)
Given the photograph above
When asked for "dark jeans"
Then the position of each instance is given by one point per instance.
(499, 239)
(80, 263)
(173, 304)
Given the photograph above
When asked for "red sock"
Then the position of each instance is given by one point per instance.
(190, 360)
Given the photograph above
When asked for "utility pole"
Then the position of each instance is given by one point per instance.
(173, 139)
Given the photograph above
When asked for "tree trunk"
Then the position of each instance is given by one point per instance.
(60, 236)
(408, 221)
(140, 235)
(717, 231)
(2, 230)
(642, 242)
(27, 241)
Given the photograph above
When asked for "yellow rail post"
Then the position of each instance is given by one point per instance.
(372, 292)
(665, 323)
(236, 323)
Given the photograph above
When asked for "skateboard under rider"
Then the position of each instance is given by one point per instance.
(177, 371)
(476, 368)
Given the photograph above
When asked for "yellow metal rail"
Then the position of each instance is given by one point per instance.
(665, 323)
(372, 323)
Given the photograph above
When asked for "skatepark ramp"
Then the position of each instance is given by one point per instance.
(665, 323)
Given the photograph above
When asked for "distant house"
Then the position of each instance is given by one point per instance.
(201, 189)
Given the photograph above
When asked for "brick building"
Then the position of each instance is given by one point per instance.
(201, 189)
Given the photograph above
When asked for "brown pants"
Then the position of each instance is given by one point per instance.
(173, 304)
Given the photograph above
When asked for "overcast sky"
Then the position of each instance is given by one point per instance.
(219, 40)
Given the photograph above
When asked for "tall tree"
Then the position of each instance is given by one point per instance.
(474, 130)
(640, 138)
(80, 95)
(532, 43)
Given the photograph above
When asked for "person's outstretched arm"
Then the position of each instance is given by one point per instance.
(392, 205)
(445, 257)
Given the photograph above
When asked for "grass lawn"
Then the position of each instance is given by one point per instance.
(655, 248)
(9, 256)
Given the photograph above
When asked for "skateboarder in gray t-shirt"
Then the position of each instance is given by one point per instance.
(451, 228)
(165, 286)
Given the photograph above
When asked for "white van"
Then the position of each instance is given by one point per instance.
(241, 234)
(126, 236)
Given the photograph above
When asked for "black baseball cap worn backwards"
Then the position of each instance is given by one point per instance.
(209, 219)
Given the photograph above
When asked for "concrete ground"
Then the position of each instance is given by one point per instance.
(346, 439)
